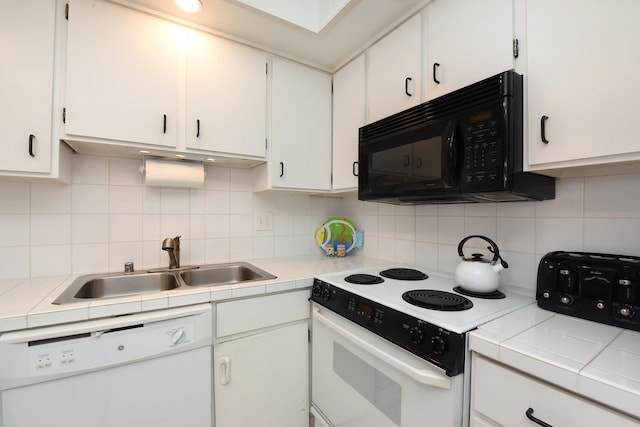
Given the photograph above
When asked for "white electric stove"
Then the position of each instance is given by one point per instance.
(381, 333)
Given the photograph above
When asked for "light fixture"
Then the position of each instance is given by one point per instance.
(189, 5)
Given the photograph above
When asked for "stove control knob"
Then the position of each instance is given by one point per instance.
(626, 311)
(416, 335)
(438, 345)
(566, 299)
(316, 291)
(326, 294)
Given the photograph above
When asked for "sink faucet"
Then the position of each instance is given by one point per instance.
(173, 247)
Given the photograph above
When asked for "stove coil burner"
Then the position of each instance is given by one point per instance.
(437, 300)
(364, 279)
(403, 274)
(486, 295)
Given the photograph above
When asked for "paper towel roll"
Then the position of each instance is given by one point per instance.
(172, 173)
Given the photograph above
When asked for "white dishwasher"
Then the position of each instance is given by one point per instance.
(146, 369)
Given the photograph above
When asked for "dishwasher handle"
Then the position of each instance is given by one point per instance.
(424, 376)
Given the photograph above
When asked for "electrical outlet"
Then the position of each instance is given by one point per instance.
(263, 222)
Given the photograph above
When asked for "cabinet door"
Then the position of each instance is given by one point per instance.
(122, 74)
(349, 112)
(26, 83)
(393, 77)
(262, 380)
(226, 97)
(300, 155)
(504, 396)
(583, 78)
(466, 41)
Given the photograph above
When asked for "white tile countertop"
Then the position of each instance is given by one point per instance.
(27, 303)
(600, 362)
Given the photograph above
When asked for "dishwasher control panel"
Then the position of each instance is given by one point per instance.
(104, 348)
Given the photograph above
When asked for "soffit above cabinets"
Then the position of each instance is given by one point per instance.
(324, 33)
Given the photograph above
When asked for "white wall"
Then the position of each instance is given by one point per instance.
(600, 214)
(106, 217)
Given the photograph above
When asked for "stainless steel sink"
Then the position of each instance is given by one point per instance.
(113, 285)
(117, 285)
(224, 274)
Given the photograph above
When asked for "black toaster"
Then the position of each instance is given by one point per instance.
(592, 286)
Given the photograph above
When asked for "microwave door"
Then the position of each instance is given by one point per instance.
(435, 160)
(410, 163)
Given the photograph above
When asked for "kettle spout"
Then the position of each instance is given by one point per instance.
(499, 266)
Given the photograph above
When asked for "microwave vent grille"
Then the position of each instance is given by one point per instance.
(495, 87)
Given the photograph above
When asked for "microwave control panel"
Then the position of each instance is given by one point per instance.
(482, 153)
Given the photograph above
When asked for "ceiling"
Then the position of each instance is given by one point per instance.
(357, 25)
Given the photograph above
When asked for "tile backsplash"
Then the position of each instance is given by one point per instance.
(106, 216)
(595, 214)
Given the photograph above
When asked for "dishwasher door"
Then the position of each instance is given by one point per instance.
(149, 369)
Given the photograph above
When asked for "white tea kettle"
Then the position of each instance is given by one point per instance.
(478, 274)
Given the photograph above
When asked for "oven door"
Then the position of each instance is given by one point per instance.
(360, 379)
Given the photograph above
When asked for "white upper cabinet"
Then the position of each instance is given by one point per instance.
(300, 145)
(349, 115)
(394, 80)
(466, 41)
(122, 74)
(583, 86)
(27, 30)
(226, 101)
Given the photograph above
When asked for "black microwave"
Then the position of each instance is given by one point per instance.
(465, 146)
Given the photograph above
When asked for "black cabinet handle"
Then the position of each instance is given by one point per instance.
(406, 86)
(529, 415)
(164, 123)
(435, 68)
(32, 137)
(407, 161)
(543, 130)
(353, 169)
(281, 169)
(198, 128)
(419, 163)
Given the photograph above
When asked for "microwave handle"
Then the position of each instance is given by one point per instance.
(451, 134)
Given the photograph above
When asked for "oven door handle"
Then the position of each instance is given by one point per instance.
(424, 376)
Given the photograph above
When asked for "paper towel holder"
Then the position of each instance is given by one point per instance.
(176, 173)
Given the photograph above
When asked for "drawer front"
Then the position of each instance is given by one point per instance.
(504, 396)
(248, 314)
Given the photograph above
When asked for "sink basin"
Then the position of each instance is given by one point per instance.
(224, 274)
(111, 286)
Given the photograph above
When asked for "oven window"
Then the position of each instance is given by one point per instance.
(384, 393)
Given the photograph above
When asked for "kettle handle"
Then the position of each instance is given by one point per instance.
(493, 248)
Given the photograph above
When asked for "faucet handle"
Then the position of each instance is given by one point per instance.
(128, 267)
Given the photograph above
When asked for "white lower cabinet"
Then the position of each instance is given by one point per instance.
(261, 361)
(501, 396)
